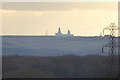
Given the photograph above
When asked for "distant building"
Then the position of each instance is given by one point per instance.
(59, 34)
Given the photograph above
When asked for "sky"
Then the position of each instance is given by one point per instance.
(34, 18)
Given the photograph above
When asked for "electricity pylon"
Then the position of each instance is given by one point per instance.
(112, 45)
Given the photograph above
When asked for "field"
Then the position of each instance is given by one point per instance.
(52, 46)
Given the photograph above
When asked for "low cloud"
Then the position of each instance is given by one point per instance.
(41, 6)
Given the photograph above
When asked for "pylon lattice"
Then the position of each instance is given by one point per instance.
(112, 45)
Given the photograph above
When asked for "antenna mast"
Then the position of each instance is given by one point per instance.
(46, 32)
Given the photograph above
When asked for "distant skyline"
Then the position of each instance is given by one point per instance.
(81, 18)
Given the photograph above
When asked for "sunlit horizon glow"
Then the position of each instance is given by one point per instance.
(82, 19)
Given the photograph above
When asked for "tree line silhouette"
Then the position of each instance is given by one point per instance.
(67, 66)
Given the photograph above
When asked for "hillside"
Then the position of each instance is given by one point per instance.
(52, 46)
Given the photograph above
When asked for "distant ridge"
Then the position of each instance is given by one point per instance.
(48, 36)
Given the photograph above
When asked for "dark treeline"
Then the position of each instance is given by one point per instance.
(67, 66)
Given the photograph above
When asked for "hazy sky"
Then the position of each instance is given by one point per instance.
(81, 18)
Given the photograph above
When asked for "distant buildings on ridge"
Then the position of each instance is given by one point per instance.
(60, 34)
